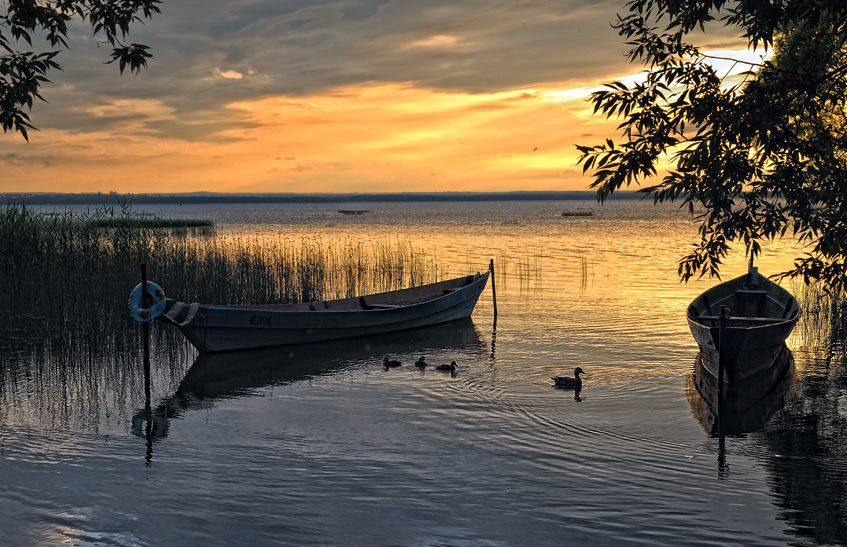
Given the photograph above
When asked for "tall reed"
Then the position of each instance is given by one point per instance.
(824, 319)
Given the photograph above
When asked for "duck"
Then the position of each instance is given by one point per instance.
(567, 381)
(391, 363)
(421, 362)
(451, 367)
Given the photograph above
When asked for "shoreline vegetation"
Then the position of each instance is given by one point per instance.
(73, 272)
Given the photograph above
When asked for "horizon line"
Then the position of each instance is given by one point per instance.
(99, 198)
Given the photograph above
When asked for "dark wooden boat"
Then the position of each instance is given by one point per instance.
(218, 328)
(761, 316)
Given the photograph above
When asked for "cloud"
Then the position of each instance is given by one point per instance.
(302, 48)
(228, 74)
(462, 88)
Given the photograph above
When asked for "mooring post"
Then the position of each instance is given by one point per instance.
(145, 303)
(493, 288)
(145, 297)
(725, 314)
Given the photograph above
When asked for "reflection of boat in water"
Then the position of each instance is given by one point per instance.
(762, 315)
(212, 328)
(742, 407)
(224, 375)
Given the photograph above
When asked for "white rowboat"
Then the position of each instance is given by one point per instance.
(217, 328)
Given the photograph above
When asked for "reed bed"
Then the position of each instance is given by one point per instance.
(66, 273)
(269, 270)
(70, 355)
(824, 320)
(524, 270)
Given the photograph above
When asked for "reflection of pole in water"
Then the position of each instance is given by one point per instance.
(148, 428)
(493, 337)
(148, 410)
(723, 468)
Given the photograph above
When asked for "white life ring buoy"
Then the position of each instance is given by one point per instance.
(157, 295)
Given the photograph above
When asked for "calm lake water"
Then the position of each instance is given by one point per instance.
(321, 445)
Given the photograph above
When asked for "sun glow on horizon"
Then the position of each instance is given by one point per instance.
(390, 137)
(377, 138)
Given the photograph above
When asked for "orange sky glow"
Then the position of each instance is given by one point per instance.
(356, 139)
(376, 96)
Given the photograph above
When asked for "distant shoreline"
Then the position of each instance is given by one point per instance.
(113, 198)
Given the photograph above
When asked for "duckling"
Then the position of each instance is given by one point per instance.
(567, 381)
(391, 363)
(421, 362)
(449, 368)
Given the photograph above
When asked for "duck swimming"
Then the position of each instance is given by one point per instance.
(567, 381)
(421, 362)
(391, 363)
(450, 367)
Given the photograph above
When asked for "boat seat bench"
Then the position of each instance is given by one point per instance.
(751, 291)
(739, 318)
(367, 306)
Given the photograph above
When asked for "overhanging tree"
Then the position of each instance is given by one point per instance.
(22, 73)
(753, 159)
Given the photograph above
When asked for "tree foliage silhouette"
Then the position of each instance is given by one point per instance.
(23, 73)
(754, 157)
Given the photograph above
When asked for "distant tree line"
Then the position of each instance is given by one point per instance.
(96, 198)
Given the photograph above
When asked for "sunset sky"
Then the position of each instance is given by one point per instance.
(330, 96)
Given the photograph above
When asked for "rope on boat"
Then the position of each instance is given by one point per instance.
(177, 308)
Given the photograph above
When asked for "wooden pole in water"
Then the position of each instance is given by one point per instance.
(148, 409)
(145, 303)
(145, 296)
(725, 314)
(493, 289)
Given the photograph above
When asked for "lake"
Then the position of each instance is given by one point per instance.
(321, 445)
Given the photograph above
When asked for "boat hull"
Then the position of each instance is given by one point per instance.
(743, 407)
(762, 316)
(215, 329)
(748, 351)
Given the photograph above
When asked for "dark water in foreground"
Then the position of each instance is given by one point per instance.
(323, 446)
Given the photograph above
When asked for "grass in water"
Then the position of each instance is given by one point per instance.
(824, 319)
(577, 213)
(73, 272)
